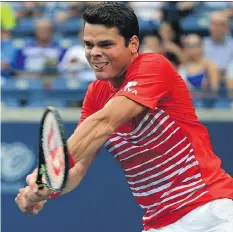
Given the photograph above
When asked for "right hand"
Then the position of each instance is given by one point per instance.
(30, 199)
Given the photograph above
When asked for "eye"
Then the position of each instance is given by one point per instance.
(88, 45)
(106, 45)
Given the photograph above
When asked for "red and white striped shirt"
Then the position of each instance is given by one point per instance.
(165, 152)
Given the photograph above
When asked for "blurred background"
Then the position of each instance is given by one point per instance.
(43, 63)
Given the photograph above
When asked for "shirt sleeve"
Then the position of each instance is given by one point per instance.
(88, 105)
(149, 81)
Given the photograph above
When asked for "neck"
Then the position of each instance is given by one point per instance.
(195, 60)
(218, 39)
(117, 82)
(43, 43)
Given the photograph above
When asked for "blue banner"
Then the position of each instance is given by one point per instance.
(103, 201)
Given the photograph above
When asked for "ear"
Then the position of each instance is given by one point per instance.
(134, 44)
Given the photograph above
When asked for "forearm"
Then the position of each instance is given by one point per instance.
(89, 137)
(76, 174)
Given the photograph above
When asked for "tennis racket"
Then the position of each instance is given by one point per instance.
(53, 153)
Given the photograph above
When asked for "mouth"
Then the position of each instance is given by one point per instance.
(99, 65)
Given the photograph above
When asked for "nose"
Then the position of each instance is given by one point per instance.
(96, 51)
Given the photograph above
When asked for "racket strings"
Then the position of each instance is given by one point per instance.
(53, 153)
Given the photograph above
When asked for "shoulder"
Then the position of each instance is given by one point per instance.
(149, 57)
(147, 61)
(97, 85)
(209, 63)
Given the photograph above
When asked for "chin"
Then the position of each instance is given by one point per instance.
(103, 76)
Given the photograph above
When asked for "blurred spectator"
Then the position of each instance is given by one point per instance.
(219, 45)
(8, 22)
(170, 32)
(217, 5)
(39, 56)
(74, 10)
(178, 10)
(147, 10)
(198, 72)
(29, 9)
(151, 43)
(74, 62)
(229, 78)
(229, 11)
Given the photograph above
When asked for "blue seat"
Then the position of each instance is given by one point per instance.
(14, 91)
(147, 26)
(70, 27)
(24, 27)
(195, 24)
(63, 90)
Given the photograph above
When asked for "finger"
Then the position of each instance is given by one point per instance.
(31, 180)
(38, 207)
(39, 195)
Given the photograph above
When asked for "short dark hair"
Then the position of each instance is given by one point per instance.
(113, 14)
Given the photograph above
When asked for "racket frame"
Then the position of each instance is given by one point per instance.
(42, 167)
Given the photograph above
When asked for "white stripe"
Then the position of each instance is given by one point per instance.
(135, 130)
(152, 191)
(176, 188)
(137, 166)
(190, 158)
(117, 145)
(154, 139)
(182, 186)
(186, 191)
(156, 166)
(111, 140)
(137, 153)
(150, 123)
(191, 200)
(139, 126)
(155, 190)
(157, 212)
(162, 172)
(151, 210)
(147, 135)
(175, 196)
(192, 177)
(154, 130)
(130, 148)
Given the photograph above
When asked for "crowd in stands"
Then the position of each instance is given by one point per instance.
(43, 40)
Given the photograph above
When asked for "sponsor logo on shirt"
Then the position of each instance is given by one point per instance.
(129, 87)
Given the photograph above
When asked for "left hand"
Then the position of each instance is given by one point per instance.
(28, 202)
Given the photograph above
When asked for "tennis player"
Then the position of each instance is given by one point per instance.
(139, 108)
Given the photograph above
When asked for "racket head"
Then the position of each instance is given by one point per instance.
(53, 152)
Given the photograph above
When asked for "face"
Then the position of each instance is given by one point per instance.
(151, 44)
(44, 31)
(218, 27)
(192, 47)
(106, 52)
(166, 32)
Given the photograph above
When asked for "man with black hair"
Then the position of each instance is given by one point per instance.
(139, 108)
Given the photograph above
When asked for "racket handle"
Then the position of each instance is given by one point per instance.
(40, 184)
